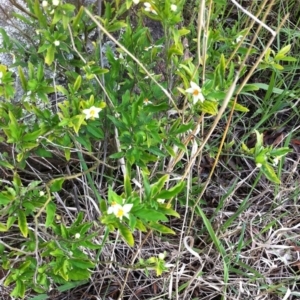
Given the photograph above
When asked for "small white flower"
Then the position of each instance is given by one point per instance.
(162, 256)
(196, 93)
(136, 1)
(173, 7)
(149, 7)
(55, 2)
(147, 101)
(77, 236)
(148, 48)
(1, 74)
(161, 200)
(120, 211)
(259, 165)
(276, 160)
(92, 112)
(238, 39)
(56, 43)
(42, 193)
(45, 3)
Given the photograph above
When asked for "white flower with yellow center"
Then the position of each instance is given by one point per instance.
(77, 236)
(55, 2)
(45, 3)
(92, 112)
(147, 101)
(150, 8)
(56, 43)
(196, 93)
(119, 210)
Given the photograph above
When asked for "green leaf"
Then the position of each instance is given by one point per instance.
(161, 228)
(56, 184)
(126, 234)
(66, 287)
(275, 90)
(3, 227)
(259, 141)
(282, 52)
(43, 48)
(6, 40)
(7, 165)
(238, 107)
(22, 78)
(95, 131)
(77, 121)
(183, 128)
(209, 107)
(156, 108)
(115, 26)
(32, 136)
(140, 226)
(172, 192)
(127, 180)
(117, 155)
(278, 66)
(211, 232)
(77, 83)
(19, 290)
(269, 172)
(150, 215)
(280, 152)
(49, 58)
(43, 152)
(22, 223)
(157, 186)
(168, 211)
(222, 69)
(78, 17)
(40, 72)
(288, 58)
(50, 211)
(39, 14)
(15, 130)
(79, 274)
(81, 264)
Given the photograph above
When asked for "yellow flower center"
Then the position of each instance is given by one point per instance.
(92, 112)
(120, 213)
(195, 92)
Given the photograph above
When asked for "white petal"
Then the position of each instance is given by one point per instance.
(190, 90)
(195, 86)
(127, 208)
(173, 7)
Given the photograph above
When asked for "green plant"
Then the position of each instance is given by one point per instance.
(112, 132)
